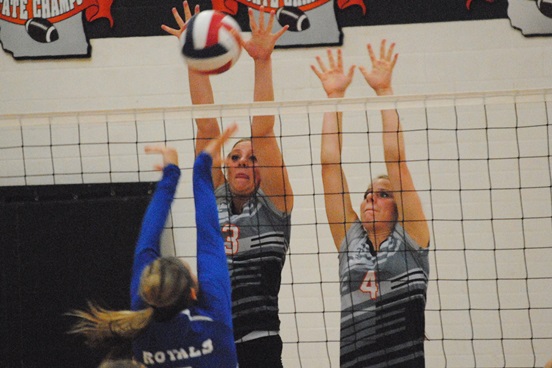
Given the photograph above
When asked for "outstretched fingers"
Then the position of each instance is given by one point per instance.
(280, 32)
(386, 54)
(394, 61)
(271, 18)
(261, 18)
(316, 71)
(335, 80)
(380, 74)
(334, 65)
(262, 42)
(252, 23)
(340, 59)
(213, 148)
(382, 48)
(351, 73)
(331, 59)
(371, 53)
(188, 12)
(323, 69)
(182, 23)
(390, 51)
(237, 35)
(179, 21)
(170, 155)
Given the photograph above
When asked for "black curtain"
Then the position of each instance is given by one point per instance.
(61, 246)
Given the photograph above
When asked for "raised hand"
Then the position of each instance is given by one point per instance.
(262, 41)
(213, 147)
(333, 77)
(170, 155)
(181, 22)
(379, 77)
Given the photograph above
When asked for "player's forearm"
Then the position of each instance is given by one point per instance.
(158, 209)
(331, 144)
(393, 142)
(147, 247)
(211, 258)
(263, 91)
(264, 87)
(201, 91)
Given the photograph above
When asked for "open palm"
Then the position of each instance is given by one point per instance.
(379, 77)
(262, 41)
(333, 77)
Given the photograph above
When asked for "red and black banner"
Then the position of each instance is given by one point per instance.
(144, 17)
(62, 28)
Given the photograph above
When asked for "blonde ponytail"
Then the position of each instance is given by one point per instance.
(165, 285)
(100, 326)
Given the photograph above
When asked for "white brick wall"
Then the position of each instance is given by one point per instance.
(149, 72)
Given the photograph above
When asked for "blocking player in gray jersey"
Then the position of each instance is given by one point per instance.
(255, 200)
(383, 256)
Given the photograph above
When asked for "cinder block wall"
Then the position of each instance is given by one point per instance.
(149, 72)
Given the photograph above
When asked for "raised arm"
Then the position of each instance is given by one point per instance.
(201, 93)
(409, 205)
(339, 209)
(207, 128)
(275, 181)
(212, 270)
(147, 247)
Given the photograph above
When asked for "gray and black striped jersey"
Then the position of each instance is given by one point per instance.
(256, 242)
(383, 297)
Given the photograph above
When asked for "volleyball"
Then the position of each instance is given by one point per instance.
(208, 45)
(545, 6)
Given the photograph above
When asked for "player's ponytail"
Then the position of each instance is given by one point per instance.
(103, 328)
(166, 286)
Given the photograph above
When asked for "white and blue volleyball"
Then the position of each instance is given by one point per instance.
(207, 43)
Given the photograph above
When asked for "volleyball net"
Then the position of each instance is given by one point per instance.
(481, 163)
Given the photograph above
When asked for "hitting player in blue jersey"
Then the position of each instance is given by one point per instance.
(177, 319)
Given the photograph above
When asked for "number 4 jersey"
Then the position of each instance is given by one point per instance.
(383, 297)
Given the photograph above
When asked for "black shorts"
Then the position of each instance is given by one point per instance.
(265, 352)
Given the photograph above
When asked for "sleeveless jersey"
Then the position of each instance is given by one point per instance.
(383, 297)
(256, 241)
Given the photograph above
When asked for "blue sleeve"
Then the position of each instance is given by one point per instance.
(148, 248)
(212, 270)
